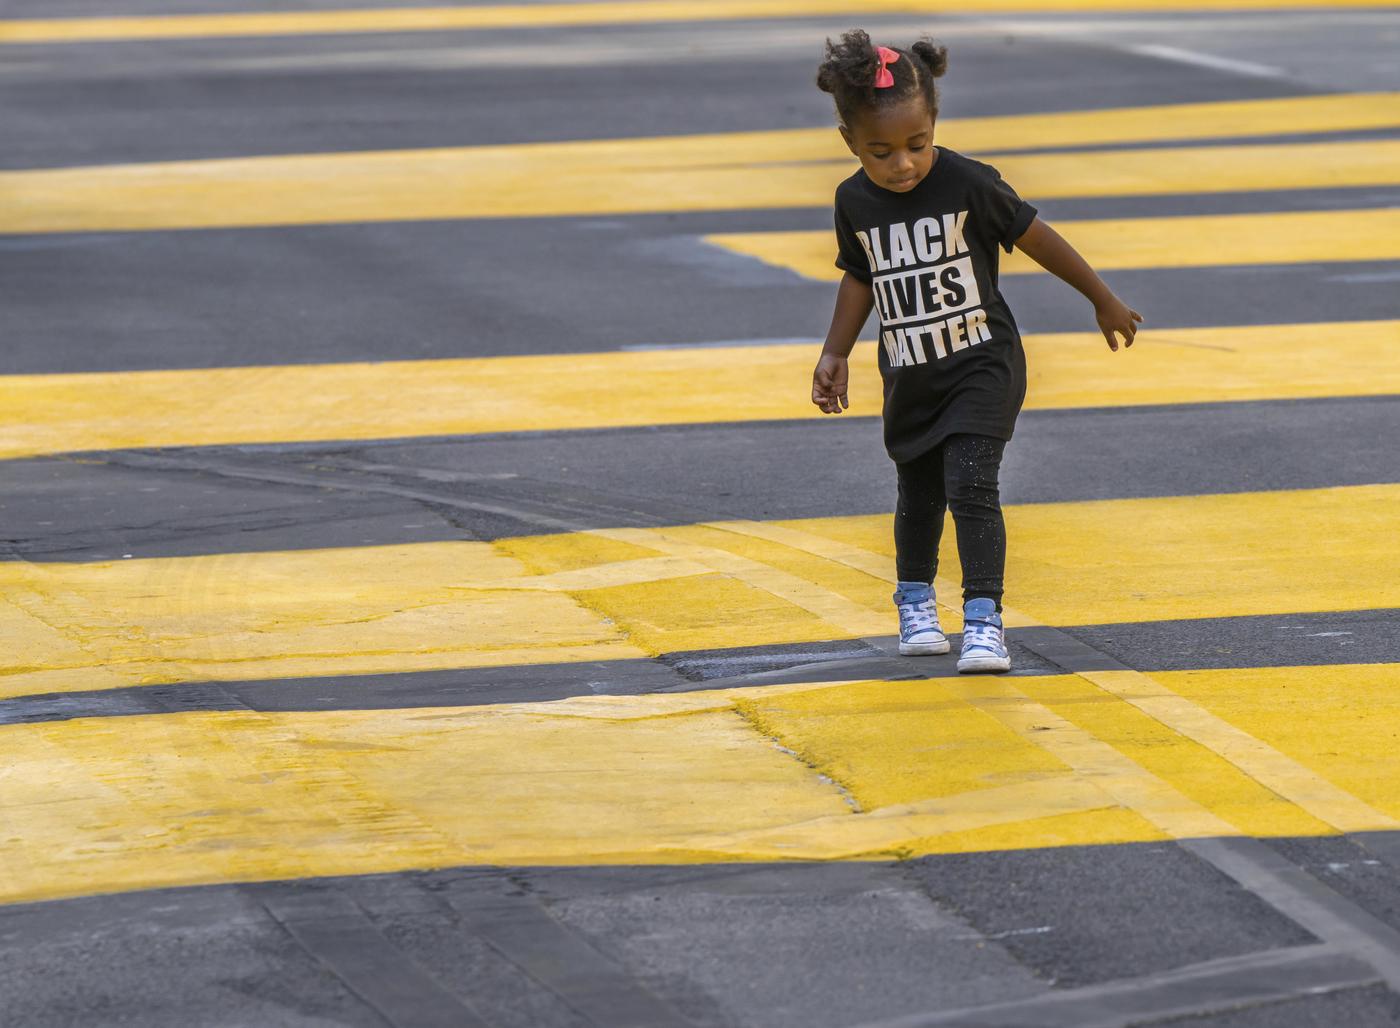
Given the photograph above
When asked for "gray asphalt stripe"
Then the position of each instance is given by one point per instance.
(534, 683)
(438, 289)
(334, 930)
(1282, 640)
(683, 932)
(172, 958)
(538, 515)
(191, 99)
(732, 944)
(847, 660)
(1198, 989)
(1264, 641)
(640, 44)
(184, 502)
(1088, 915)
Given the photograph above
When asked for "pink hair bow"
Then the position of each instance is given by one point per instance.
(884, 78)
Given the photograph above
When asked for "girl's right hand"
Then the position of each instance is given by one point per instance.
(1116, 318)
(829, 384)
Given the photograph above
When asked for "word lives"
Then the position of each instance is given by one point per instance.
(934, 308)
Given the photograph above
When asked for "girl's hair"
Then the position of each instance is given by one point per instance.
(848, 74)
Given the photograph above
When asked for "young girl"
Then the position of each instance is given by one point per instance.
(917, 229)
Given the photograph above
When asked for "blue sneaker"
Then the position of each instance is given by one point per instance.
(919, 634)
(983, 645)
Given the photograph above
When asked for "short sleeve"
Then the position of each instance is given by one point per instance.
(1004, 210)
(850, 255)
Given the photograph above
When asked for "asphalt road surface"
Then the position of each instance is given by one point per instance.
(429, 598)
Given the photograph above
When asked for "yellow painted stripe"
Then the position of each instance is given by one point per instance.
(1195, 769)
(939, 766)
(1283, 777)
(1223, 119)
(666, 175)
(298, 403)
(1338, 723)
(350, 793)
(1119, 243)
(606, 594)
(437, 19)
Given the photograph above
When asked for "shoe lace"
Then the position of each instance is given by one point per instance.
(917, 617)
(982, 634)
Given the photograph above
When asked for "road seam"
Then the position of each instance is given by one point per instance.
(333, 929)
(562, 961)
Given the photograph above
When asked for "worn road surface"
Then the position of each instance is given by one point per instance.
(429, 598)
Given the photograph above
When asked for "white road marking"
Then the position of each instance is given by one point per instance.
(1367, 276)
(736, 42)
(1202, 60)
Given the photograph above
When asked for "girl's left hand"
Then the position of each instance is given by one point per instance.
(1116, 316)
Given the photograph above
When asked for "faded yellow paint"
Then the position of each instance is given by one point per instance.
(802, 772)
(299, 403)
(251, 615)
(503, 16)
(697, 173)
(442, 605)
(111, 804)
(1060, 811)
(1109, 244)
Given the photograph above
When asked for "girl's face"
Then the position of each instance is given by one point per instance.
(894, 144)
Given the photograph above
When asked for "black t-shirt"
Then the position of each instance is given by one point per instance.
(950, 353)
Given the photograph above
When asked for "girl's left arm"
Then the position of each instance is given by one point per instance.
(1052, 252)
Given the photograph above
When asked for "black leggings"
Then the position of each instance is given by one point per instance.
(960, 474)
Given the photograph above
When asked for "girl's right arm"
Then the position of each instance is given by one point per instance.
(854, 301)
(1052, 251)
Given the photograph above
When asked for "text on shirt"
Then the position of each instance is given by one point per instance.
(933, 308)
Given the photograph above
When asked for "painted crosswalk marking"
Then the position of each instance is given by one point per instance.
(520, 182)
(184, 799)
(602, 595)
(1111, 244)
(542, 15)
(111, 410)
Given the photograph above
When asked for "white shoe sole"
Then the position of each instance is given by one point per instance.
(928, 649)
(981, 665)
